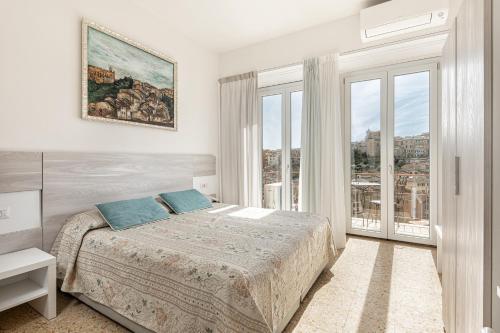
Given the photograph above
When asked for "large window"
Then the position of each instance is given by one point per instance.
(390, 120)
(281, 108)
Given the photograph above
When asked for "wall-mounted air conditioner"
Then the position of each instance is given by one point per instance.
(401, 16)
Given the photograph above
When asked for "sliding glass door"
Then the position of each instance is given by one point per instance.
(281, 108)
(391, 125)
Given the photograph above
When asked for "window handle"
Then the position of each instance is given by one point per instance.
(457, 175)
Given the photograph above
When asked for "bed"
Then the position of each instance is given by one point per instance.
(224, 269)
(221, 269)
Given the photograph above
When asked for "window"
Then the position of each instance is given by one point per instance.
(281, 108)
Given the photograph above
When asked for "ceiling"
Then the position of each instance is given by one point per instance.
(224, 25)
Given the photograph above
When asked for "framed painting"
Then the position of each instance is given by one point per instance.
(125, 82)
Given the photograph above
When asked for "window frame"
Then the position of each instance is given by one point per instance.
(388, 73)
(285, 90)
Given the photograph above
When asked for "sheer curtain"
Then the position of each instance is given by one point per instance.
(240, 140)
(310, 164)
(322, 162)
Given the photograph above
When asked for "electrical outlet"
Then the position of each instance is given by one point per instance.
(4, 213)
(204, 185)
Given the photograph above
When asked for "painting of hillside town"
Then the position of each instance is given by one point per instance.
(125, 82)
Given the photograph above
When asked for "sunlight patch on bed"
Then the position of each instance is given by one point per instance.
(252, 213)
(222, 209)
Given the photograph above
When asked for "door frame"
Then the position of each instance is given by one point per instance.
(387, 74)
(433, 147)
(285, 90)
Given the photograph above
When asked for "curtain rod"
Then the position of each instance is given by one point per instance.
(350, 52)
(270, 69)
(237, 77)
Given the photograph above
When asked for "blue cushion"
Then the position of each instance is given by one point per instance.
(185, 201)
(130, 213)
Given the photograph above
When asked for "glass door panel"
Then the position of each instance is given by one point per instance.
(366, 153)
(272, 151)
(411, 148)
(295, 142)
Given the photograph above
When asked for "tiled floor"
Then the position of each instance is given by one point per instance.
(374, 286)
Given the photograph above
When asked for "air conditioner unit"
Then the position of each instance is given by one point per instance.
(401, 16)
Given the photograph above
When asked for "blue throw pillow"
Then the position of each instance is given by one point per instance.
(130, 213)
(185, 201)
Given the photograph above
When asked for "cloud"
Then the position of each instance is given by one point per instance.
(411, 106)
(411, 110)
(105, 51)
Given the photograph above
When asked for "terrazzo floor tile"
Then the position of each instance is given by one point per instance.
(374, 286)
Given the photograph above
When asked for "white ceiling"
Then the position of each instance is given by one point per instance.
(224, 25)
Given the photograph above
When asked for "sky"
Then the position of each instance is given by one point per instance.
(411, 106)
(126, 60)
(411, 110)
(271, 120)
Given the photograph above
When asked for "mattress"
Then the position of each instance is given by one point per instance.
(222, 269)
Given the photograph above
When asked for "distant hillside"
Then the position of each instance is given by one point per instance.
(131, 100)
(99, 91)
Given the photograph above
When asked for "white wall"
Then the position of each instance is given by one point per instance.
(40, 75)
(338, 36)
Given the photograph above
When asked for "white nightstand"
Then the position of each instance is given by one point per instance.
(28, 276)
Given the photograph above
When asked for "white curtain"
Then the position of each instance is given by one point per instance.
(322, 162)
(240, 140)
(310, 164)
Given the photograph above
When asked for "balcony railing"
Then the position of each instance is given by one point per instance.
(411, 197)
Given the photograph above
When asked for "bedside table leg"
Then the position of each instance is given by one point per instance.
(46, 305)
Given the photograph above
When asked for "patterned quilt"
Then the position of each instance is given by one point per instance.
(223, 269)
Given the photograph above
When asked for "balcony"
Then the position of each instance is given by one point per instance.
(411, 203)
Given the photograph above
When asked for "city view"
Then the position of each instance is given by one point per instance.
(411, 153)
(411, 180)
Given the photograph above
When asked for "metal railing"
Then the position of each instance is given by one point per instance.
(411, 196)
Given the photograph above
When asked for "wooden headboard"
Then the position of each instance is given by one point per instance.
(75, 182)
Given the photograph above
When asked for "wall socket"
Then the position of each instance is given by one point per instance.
(4, 213)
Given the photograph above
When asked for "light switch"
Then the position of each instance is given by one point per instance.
(4, 213)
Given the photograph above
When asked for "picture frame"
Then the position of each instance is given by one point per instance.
(126, 82)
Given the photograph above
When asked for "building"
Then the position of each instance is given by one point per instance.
(167, 92)
(100, 75)
(372, 143)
